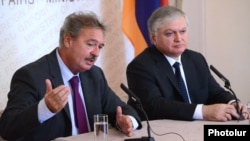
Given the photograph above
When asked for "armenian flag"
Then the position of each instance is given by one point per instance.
(134, 21)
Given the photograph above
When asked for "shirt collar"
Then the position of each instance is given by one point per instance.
(66, 73)
(172, 61)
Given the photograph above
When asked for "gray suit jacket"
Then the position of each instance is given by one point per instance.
(19, 120)
(151, 78)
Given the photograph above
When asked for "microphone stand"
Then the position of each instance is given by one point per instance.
(149, 138)
(227, 85)
(139, 105)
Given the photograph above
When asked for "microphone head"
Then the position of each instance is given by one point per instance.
(131, 95)
(223, 78)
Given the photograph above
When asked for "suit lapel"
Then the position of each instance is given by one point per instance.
(88, 97)
(56, 78)
(189, 71)
(165, 68)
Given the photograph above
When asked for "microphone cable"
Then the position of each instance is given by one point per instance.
(149, 128)
(138, 103)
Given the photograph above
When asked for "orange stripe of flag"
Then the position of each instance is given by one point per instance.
(130, 26)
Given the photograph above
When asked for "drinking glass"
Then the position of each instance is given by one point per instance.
(101, 127)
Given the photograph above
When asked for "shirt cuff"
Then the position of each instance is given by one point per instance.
(198, 112)
(43, 111)
(232, 101)
(134, 123)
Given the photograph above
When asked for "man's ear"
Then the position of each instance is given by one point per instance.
(67, 40)
(152, 38)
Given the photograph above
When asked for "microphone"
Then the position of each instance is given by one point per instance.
(226, 81)
(137, 100)
(228, 86)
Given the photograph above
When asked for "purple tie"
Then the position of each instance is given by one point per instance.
(79, 111)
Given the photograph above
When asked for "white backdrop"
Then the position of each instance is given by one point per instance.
(30, 29)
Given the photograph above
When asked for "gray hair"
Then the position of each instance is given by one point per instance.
(164, 15)
(76, 21)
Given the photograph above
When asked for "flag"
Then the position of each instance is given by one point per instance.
(134, 21)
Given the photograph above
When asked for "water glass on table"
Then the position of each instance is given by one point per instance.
(101, 127)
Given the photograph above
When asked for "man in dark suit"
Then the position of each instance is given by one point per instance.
(151, 75)
(40, 105)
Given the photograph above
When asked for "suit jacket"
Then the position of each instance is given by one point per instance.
(20, 120)
(151, 77)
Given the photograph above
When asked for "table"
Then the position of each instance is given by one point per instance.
(174, 130)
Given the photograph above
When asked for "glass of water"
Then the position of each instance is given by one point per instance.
(101, 127)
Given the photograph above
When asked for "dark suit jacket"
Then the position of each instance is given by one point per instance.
(20, 121)
(152, 79)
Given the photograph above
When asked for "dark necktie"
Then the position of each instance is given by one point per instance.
(79, 111)
(180, 82)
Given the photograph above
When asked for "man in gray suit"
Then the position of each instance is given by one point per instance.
(151, 75)
(40, 105)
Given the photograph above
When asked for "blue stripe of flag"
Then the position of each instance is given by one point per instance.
(143, 10)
